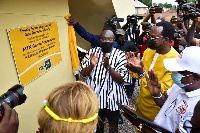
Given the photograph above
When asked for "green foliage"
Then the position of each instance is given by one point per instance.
(154, 4)
(165, 5)
(146, 2)
(160, 4)
(188, 1)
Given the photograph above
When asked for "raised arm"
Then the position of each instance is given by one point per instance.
(134, 63)
(151, 15)
(93, 61)
(154, 87)
(93, 39)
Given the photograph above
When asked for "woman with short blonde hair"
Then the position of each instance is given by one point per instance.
(70, 108)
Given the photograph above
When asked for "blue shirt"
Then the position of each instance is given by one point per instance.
(93, 39)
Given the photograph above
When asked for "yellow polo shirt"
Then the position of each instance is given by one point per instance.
(146, 107)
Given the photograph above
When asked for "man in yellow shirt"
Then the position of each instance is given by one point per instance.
(159, 48)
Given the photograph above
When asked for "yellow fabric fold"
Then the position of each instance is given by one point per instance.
(73, 47)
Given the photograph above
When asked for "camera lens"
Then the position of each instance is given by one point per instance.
(13, 97)
(176, 35)
(193, 15)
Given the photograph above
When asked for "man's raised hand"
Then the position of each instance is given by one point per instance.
(93, 58)
(134, 63)
(154, 85)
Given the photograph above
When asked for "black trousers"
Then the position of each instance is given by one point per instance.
(112, 117)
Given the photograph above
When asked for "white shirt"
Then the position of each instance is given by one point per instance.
(108, 91)
(178, 107)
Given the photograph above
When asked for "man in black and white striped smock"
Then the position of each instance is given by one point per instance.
(104, 68)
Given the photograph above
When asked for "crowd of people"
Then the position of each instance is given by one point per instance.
(167, 65)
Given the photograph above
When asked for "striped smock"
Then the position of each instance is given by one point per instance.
(108, 91)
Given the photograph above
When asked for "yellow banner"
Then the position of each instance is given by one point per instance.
(36, 49)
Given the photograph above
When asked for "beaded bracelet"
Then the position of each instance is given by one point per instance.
(158, 97)
(142, 75)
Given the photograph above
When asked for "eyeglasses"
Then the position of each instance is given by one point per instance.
(187, 125)
(152, 38)
(107, 39)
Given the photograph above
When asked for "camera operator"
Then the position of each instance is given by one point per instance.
(126, 27)
(182, 11)
(151, 15)
(10, 121)
(178, 23)
(179, 41)
(141, 42)
(190, 35)
(93, 39)
(132, 28)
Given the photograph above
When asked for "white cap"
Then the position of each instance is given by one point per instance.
(188, 60)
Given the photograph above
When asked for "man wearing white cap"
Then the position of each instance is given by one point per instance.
(179, 101)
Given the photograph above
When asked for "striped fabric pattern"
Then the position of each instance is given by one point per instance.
(108, 91)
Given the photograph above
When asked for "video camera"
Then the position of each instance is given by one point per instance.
(192, 15)
(179, 32)
(113, 22)
(183, 6)
(146, 26)
(188, 6)
(13, 97)
(134, 19)
(180, 4)
(133, 27)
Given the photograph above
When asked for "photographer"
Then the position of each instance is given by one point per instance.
(190, 35)
(179, 41)
(178, 23)
(10, 121)
(151, 15)
(142, 41)
(132, 28)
